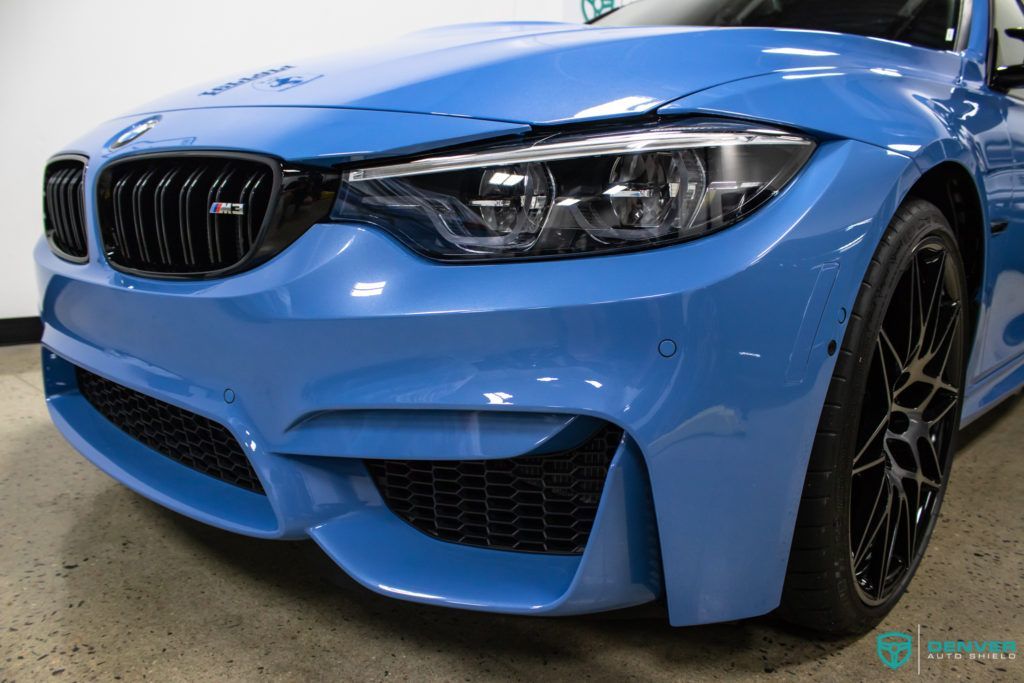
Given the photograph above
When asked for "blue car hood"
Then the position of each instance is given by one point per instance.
(549, 73)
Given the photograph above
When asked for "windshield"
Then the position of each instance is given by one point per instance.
(928, 23)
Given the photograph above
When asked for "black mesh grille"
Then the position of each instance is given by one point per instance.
(64, 207)
(187, 214)
(543, 503)
(187, 438)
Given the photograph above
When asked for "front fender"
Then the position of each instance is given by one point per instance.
(729, 452)
(904, 112)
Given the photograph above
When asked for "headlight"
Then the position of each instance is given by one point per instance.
(576, 194)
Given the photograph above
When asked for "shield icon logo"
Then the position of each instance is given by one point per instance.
(894, 649)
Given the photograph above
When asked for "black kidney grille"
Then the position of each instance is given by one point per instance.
(182, 436)
(542, 503)
(159, 215)
(64, 207)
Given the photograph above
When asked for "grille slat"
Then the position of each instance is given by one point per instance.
(160, 216)
(64, 201)
(64, 207)
(119, 214)
(77, 205)
(212, 236)
(542, 503)
(59, 201)
(189, 439)
(52, 212)
(245, 228)
(138, 213)
(74, 196)
(187, 209)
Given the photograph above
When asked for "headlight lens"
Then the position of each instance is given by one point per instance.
(577, 194)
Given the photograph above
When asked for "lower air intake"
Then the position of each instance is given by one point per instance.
(542, 503)
(186, 438)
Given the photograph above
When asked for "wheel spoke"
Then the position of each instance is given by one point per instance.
(910, 522)
(934, 302)
(878, 431)
(944, 345)
(935, 483)
(917, 311)
(891, 365)
(880, 460)
(887, 345)
(876, 519)
(944, 413)
(888, 544)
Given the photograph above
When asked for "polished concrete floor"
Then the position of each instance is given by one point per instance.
(97, 583)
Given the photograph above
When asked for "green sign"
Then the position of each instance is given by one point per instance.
(592, 9)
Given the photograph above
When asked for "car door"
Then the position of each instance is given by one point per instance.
(1004, 336)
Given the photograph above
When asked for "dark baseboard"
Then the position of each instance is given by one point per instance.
(20, 331)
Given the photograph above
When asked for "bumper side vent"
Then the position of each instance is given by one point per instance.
(541, 504)
(64, 208)
(182, 436)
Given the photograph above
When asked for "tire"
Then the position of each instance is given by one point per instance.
(886, 437)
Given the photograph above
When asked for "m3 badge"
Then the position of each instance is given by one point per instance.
(226, 209)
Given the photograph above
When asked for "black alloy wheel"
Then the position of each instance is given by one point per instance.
(908, 421)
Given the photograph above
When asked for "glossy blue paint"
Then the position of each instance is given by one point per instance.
(579, 337)
(479, 361)
(556, 73)
(312, 135)
(434, 435)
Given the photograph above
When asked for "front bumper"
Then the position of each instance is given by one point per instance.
(346, 324)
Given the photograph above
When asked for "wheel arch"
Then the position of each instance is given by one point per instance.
(951, 187)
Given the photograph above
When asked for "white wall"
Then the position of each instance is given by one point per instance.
(66, 65)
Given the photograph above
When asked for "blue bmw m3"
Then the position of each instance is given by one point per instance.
(684, 305)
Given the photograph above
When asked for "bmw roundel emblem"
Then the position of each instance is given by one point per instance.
(134, 132)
